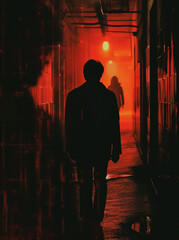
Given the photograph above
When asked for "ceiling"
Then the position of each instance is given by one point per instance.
(106, 15)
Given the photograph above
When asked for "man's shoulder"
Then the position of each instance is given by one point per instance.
(76, 91)
(110, 93)
(107, 91)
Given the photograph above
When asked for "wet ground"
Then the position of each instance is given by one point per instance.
(133, 210)
(129, 191)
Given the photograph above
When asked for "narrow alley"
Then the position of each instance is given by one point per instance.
(89, 120)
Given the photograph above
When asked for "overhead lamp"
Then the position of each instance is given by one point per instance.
(105, 45)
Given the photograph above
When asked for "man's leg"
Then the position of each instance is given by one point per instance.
(100, 172)
(86, 186)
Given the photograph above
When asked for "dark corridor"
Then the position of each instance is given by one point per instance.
(44, 45)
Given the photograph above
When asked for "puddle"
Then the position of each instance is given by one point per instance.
(143, 225)
(122, 175)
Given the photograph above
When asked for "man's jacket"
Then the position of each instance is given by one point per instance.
(92, 123)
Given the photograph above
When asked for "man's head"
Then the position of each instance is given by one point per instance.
(93, 71)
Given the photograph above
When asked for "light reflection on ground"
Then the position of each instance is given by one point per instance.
(114, 176)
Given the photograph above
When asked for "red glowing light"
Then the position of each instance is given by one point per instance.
(105, 46)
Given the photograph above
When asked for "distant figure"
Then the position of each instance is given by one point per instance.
(92, 138)
(117, 89)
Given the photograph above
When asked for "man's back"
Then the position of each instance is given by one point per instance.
(92, 121)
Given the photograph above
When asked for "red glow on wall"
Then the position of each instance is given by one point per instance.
(117, 61)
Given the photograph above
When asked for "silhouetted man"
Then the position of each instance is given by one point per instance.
(118, 91)
(92, 137)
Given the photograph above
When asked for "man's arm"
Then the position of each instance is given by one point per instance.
(116, 150)
(67, 122)
(72, 121)
(69, 125)
(122, 96)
